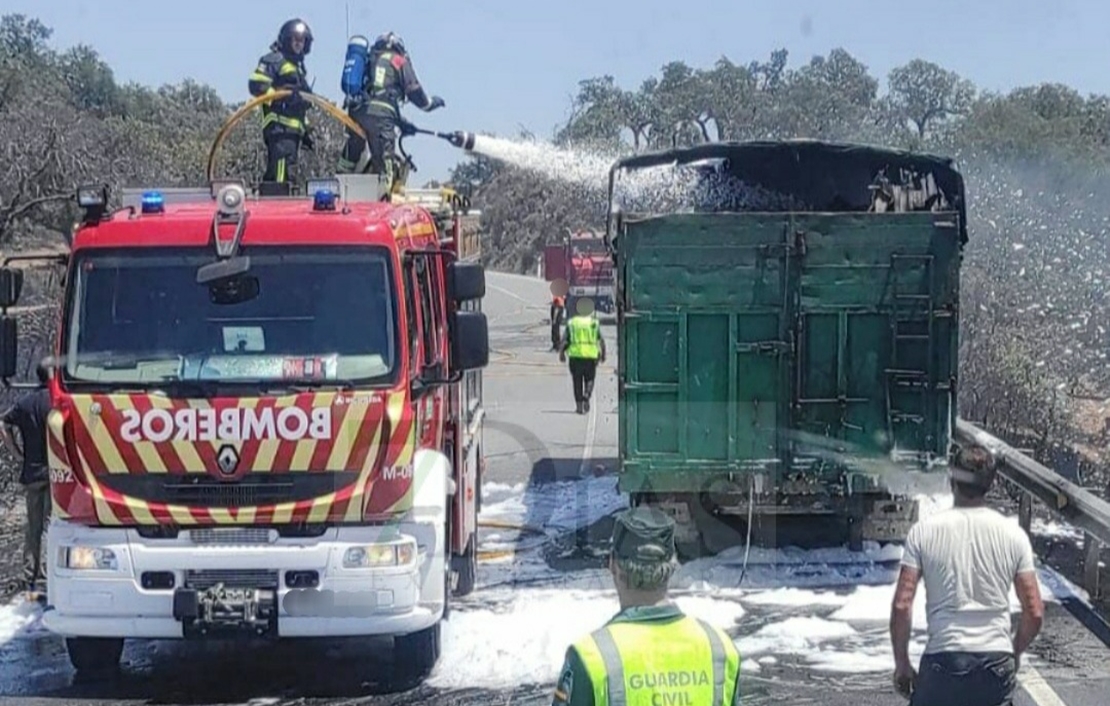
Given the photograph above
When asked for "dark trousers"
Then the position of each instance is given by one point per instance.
(381, 129)
(582, 373)
(38, 513)
(283, 145)
(556, 327)
(965, 679)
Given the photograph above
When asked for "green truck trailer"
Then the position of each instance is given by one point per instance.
(788, 339)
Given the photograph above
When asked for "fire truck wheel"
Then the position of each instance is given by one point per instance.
(94, 654)
(416, 654)
(468, 568)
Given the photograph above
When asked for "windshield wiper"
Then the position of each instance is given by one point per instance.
(178, 387)
(130, 362)
(307, 386)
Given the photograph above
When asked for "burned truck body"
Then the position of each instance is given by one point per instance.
(794, 306)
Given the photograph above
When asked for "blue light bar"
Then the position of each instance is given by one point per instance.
(153, 202)
(323, 200)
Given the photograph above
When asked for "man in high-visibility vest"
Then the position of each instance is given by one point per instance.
(585, 346)
(650, 652)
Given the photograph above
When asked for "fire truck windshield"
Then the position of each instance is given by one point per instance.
(138, 317)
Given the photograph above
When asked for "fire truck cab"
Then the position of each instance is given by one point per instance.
(267, 416)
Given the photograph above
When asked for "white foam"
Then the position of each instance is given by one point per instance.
(559, 506)
(524, 638)
(20, 619)
(547, 159)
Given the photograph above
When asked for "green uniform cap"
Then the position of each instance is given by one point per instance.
(644, 534)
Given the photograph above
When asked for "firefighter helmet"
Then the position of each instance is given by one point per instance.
(390, 42)
(295, 27)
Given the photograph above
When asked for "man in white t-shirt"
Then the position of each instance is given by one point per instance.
(969, 557)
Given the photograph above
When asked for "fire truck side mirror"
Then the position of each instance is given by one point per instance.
(465, 281)
(9, 347)
(469, 341)
(11, 286)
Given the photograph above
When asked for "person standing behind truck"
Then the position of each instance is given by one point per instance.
(558, 313)
(284, 122)
(28, 415)
(968, 556)
(650, 652)
(585, 346)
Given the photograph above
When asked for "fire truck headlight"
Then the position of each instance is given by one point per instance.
(87, 558)
(371, 555)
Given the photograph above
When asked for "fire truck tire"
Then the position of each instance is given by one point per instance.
(416, 654)
(94, 654)
(468, 568)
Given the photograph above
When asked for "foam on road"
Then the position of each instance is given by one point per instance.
(802, 620)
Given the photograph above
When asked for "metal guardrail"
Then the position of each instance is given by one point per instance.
(1072, 503)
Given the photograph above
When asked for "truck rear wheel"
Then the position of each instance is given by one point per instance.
(415, 654)
(94, 654)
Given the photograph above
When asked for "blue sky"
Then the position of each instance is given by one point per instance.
(503, 64)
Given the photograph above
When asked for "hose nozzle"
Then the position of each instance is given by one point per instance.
(460, 139)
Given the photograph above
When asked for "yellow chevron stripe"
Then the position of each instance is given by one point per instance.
(347, 434)
(104, 513)
(195, 463)
(54, 426)
(101, 439)
(186, 450)
(362, 488)
(140, 510)
(180, 514)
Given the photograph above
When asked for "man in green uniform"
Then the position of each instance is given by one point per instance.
(585, 346)
(650, 652)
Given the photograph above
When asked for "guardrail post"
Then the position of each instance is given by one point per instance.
(1091, 569)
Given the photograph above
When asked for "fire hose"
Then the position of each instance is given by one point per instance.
(462, 140)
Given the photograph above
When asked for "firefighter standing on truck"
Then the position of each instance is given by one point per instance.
(389, 81)
(585, 346)
(284, 122)
(650, 652)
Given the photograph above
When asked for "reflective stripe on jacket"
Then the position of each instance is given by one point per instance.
(682, 662)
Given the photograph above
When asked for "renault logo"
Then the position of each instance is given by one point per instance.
(227, 458)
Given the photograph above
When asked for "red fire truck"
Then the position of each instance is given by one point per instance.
(583, 260)
(267, 417)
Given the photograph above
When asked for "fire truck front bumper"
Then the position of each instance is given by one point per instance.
(351, 581)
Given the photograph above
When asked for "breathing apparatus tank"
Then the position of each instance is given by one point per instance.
(354, 66)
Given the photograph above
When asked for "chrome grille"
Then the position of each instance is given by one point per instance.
(232, 578)
(233, 535)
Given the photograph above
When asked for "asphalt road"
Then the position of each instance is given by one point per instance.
(533, 436)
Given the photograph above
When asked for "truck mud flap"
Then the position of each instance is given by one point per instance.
(219, 610)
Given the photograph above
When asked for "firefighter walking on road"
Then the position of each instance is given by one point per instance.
(285, 121)
(585, 346)
(390, 80)
(650, 652)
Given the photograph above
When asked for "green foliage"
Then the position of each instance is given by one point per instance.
(64, 120)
